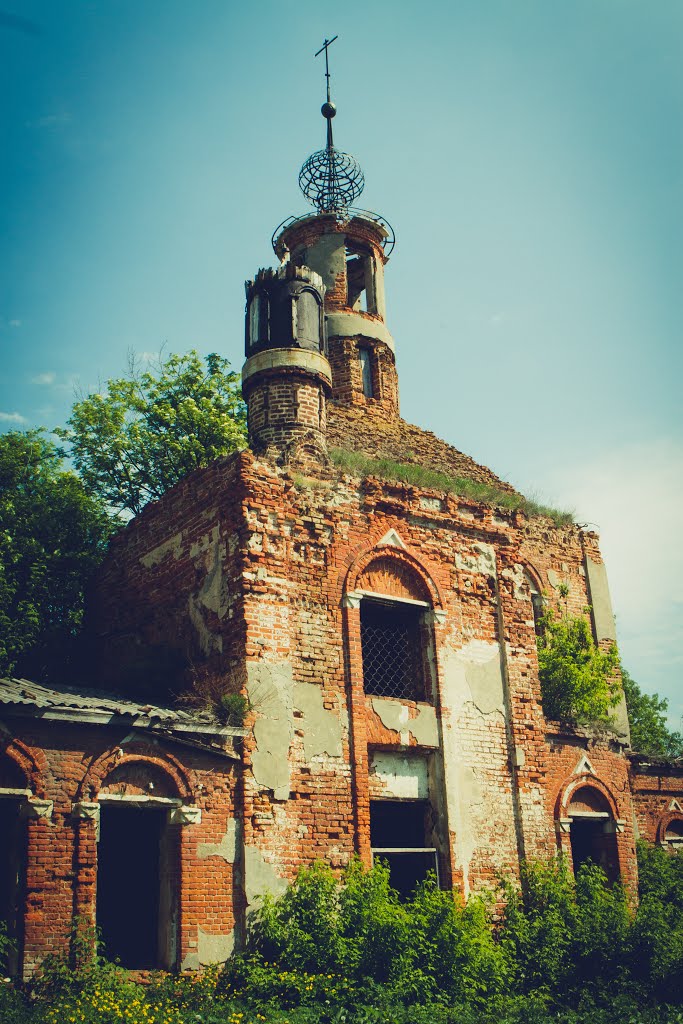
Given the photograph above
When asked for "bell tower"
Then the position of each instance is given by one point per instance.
(348, 248)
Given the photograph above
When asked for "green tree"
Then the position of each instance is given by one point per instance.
(578, 680)
(52, 535)
(151, 428)
(647, 719)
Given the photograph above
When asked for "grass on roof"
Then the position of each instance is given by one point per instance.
(360, 465)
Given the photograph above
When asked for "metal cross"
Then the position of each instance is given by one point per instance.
(325, 46)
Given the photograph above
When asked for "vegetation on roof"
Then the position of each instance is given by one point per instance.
(360, 465)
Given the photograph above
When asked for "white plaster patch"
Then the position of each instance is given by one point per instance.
(321, 726)
(520, 586)
(260, 876)
(481, 560)
(474, 675)
(583, 766)
(401, 777)
(269, 688)
(214, 949)
(226, 849)
(172, 546)
(391, 539)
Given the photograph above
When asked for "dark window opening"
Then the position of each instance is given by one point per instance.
(398, 836)
(366, 371)
(137, 881)
(592, 841)
(12, 878)
(537, 608)
(258, 319)
(360, 282)
(674, 834)
(392, 643)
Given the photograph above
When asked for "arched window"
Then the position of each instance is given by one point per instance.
(673, 835)
(365, 357)
(308, 321)
(592, 831)
(395, 631)
(537, 603)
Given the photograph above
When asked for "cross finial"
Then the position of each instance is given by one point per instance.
(326, 45)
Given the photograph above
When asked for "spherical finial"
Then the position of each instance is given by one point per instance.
(328, 110)
(331, 180)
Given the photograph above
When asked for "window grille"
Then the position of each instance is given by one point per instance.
(392, 646)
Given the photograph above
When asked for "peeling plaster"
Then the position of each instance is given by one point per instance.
(396, 716)
(172, 546)
(553, 579)
(213, 594)
(470, 676)
(474, 674)
(321, 727)
(211, 949)
(482, 559)
(227, 848)
(520, 587)
(269, 688)
(214, 949)
(465, 807)
(260, 876)
(401, 776)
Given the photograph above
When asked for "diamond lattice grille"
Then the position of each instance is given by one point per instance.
(392, 651)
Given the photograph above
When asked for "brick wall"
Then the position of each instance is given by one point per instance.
(61, 848)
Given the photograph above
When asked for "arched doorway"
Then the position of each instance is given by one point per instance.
(13, 843)
(593, 831)
(138, 867)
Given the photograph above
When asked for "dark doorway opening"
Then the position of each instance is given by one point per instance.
(12, 878)
(137, 878)
(593, 842)
(398, 835)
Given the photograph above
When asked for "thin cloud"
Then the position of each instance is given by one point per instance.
(44, 378)
(15, 323)
(12, 417)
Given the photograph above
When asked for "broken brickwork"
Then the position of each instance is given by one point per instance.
(383, 635)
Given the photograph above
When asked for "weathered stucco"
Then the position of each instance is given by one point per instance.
(321, 726)
(260, 876)
(269, 688)
(227, 848)
(395, 715)
(401, 776)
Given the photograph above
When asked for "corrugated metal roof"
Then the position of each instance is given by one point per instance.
(66, 701)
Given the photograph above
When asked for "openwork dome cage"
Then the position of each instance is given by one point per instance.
(331, 180)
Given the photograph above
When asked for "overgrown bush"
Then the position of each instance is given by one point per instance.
(349, 951)
(579, 681)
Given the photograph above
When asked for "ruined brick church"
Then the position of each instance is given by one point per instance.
(383, 633)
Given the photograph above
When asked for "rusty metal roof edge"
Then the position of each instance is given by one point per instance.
(45, 703)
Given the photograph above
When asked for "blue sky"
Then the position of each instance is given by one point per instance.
(529, 155)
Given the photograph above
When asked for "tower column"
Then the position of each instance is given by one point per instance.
(286, 379)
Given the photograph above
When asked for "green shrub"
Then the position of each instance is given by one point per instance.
(578, 680)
